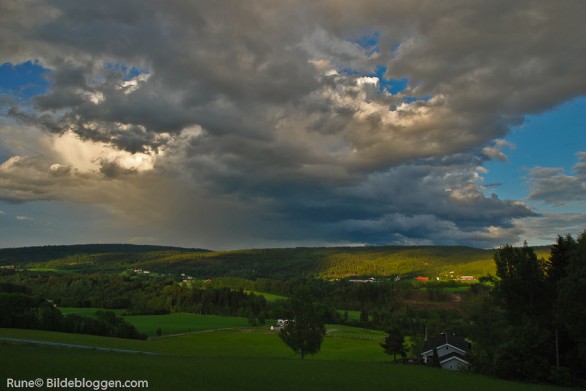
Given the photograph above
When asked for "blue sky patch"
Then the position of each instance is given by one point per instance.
(369, 42)
(24, 80)
(394, 86)
(551, 139)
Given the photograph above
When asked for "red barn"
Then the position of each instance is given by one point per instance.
(421, 278)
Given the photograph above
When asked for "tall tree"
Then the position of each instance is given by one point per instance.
(394, 343)
(304, 333)
(547, 327)
(559, 258)
(572, 289)
(521, 285)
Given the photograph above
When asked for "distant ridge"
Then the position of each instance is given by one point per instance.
(434, 262)
(50, 252)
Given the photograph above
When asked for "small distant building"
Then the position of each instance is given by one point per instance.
(356, 281)
(466, 278)
(421, 278)
(452, 351)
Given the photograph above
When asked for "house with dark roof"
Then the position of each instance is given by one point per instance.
(451, 350)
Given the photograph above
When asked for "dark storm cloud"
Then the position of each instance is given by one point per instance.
(268, 116)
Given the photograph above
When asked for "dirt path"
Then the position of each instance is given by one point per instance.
(68, 345)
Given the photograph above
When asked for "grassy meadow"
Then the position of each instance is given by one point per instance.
(237, 359)
(178, 323)
(270, 297)
(86, 311)
(175, 323)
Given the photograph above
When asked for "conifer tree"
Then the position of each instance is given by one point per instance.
(394, 343)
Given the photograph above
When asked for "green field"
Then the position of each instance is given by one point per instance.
(248, 359)
(86, 311)
(179, 323)
(352, 315)
(270, 297)
(261, 342)
(337, 330)
(176, 323)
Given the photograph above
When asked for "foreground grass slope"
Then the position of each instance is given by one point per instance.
(340, 343)
(205, 372)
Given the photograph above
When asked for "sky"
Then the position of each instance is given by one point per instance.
(232, 124)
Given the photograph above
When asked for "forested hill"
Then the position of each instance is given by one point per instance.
(283, 263)
(49, 253)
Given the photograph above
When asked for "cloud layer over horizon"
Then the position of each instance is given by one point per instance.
(249, 124)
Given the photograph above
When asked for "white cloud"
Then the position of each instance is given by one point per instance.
(367, 80)
(543, 229)
(554, 187)
(494, 151)
(580, 167)
(90, 156)
(129, 86)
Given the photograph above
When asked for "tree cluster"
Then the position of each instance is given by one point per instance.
(533, 326)
(305, 329)
(94, 290)
(394, 343)
(27, 312)
(214, 301)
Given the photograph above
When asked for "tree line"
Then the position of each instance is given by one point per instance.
(533, 324)
(382, 304)
(20, 310)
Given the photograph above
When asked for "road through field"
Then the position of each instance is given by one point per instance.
(68, 345)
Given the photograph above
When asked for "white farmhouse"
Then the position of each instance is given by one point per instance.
(451, 350)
